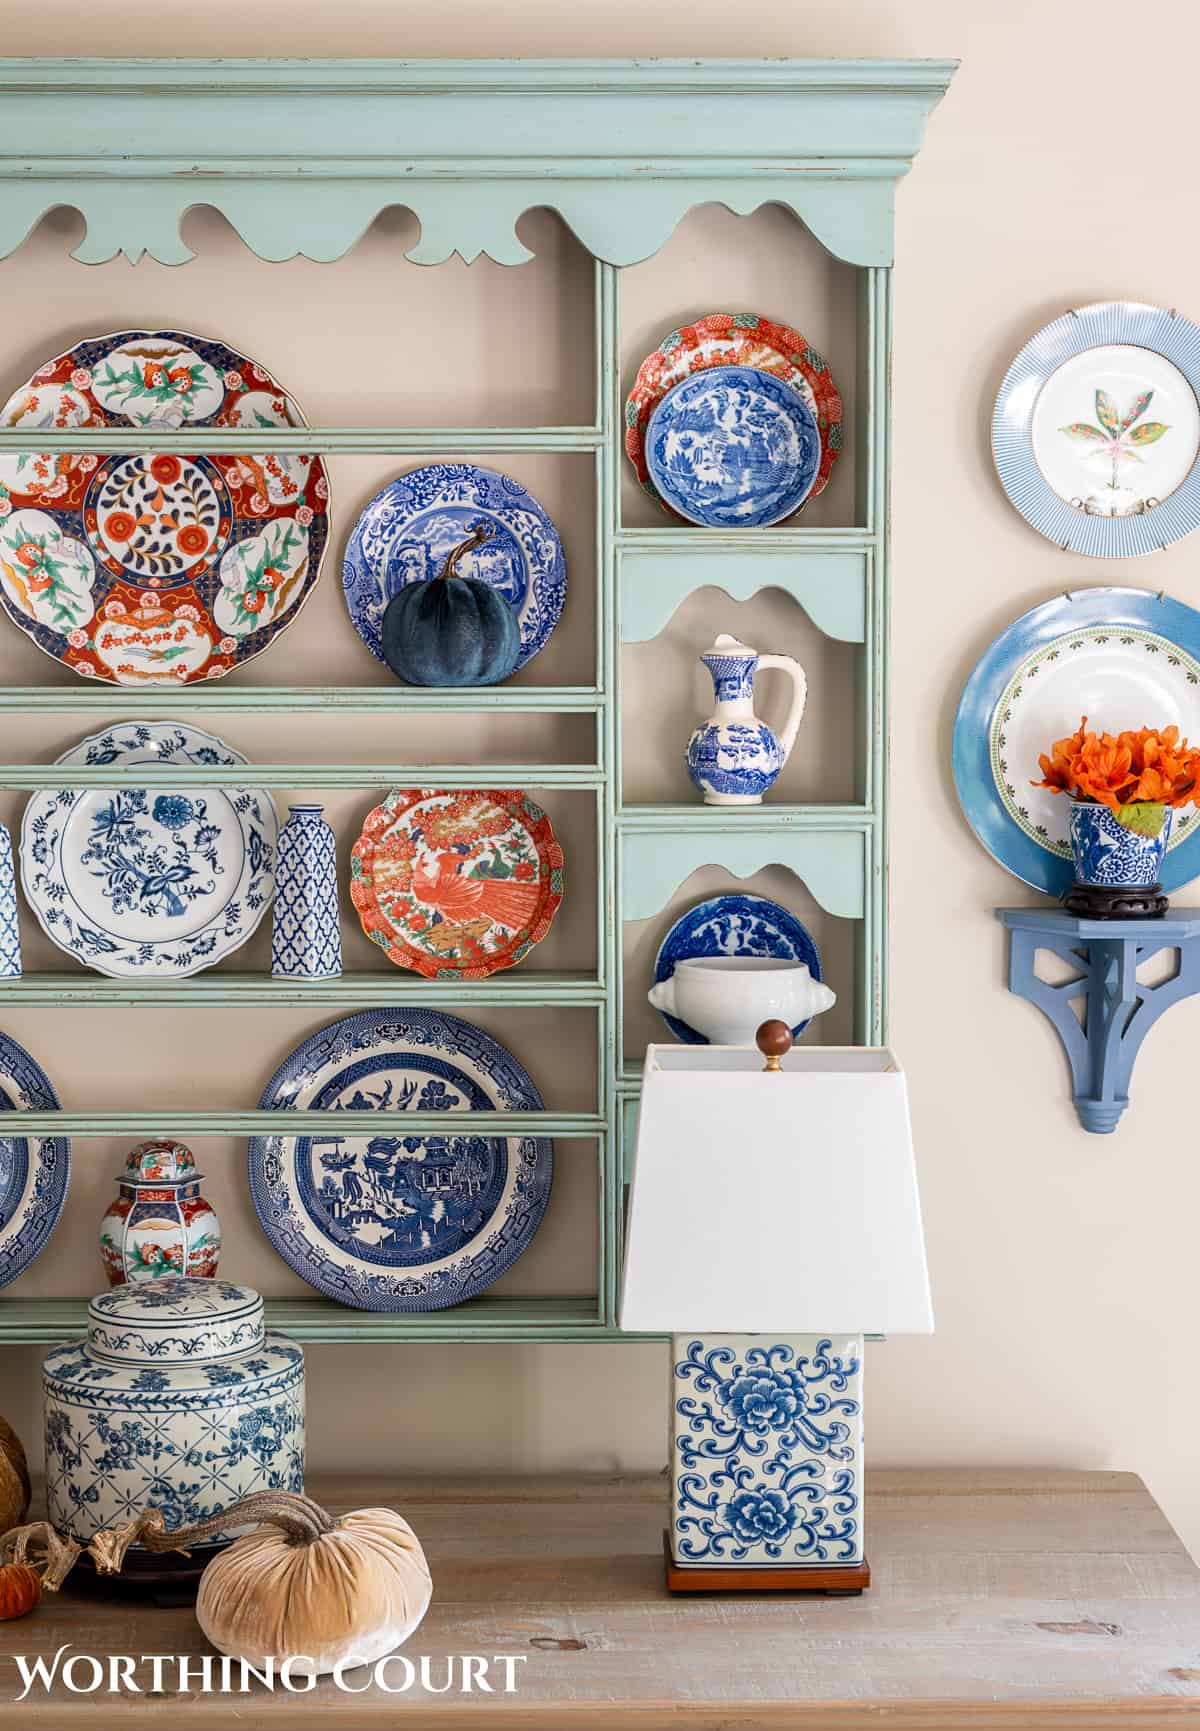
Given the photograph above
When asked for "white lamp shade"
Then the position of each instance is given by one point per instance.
(774, 1202)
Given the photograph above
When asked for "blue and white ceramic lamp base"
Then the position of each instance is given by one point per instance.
(766, 1451)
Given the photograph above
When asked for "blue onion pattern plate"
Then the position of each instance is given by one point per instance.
(733, 447)
(1125, 658)
(407, 530)
(401, 1223)
(734, 925)
(1096, 430)
(33, 1176)
(133, 881)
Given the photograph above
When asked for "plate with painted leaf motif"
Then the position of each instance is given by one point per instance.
(734, 340)
(1096, 431)
(33, 1170)
(154, 569)
(393, 1222)
(458, 883)
(135, 881)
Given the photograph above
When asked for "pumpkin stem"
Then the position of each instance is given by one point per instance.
(54, 1556)
(479, 534)
(300, 1518)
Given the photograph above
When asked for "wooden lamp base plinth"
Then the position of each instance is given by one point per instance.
(832, 1578)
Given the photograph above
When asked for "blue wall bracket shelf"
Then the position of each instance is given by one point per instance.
(1119, 1010)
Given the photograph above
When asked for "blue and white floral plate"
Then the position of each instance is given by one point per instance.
(1125, 658)
(133, 881)
(733, 448)
(33, 1175)
(734, 925)
(1096, 431)
(407, 530)
(405, 1223)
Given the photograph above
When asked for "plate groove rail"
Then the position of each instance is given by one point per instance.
(182, 1121)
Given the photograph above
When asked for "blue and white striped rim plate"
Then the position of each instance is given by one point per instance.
(1124, 658)
(1096, 431)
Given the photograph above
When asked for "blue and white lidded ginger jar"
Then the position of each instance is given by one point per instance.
(177, 1397)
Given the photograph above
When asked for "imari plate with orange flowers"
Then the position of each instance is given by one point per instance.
(734, 340)
(457, 884)
(1126, 659)
(156, 569)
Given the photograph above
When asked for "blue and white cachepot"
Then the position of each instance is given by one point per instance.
(177, 1397)
(10, 935)
(733, 757)
(1108, 853)
(766, 1450)
(306, 933)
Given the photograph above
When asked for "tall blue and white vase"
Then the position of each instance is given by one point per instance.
(306, 933)
(766, 1451)
(10, 936)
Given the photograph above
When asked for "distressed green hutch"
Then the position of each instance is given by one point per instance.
(300, 157)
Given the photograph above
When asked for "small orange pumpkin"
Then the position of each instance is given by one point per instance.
(20, 1590)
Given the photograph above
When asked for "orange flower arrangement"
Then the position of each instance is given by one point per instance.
(1146, 767)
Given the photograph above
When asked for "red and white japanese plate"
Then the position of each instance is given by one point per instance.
(156, 569)
(734, 340)
(457, 884)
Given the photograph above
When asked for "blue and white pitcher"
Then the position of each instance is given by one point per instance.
(733, 757)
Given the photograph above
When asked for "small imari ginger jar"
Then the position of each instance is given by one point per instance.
(1114, 855)
(159, 1223)
(177, 1397)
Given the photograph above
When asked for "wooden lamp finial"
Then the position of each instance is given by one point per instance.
(773, 1039)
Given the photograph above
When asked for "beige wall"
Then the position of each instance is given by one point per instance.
(1057, 171)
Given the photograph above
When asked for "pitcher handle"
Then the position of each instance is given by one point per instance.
(795, 714)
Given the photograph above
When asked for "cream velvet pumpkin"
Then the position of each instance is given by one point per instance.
(346, 1592)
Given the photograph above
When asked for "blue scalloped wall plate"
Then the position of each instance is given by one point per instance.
(734, 925)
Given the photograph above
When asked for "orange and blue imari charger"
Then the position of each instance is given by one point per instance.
(457, 884)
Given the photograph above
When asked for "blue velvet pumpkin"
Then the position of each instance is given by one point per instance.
(451, 630)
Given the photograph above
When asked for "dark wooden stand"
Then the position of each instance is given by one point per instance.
(833, 1578)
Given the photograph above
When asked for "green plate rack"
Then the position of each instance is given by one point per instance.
(301, 156)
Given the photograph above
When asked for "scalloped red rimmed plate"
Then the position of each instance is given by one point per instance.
(457, 883)
(734, 340)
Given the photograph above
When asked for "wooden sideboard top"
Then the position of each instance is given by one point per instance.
(1000, 1599)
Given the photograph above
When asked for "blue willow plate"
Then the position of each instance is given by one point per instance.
(408, 1223)
(407, 530)
(132, 881)
(1096, 429)
(1125, 658)
(734, 925)
(733, 447)
(33, 1186)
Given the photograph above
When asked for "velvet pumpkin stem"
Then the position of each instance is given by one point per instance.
(477, 537)
(300, 1518)
(39, 1547)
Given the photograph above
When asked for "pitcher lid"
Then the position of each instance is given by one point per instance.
(727, 645)
(174, 1319)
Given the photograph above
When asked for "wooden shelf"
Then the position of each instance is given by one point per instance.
(229, 990)
(46, 1321)
(225, 698)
